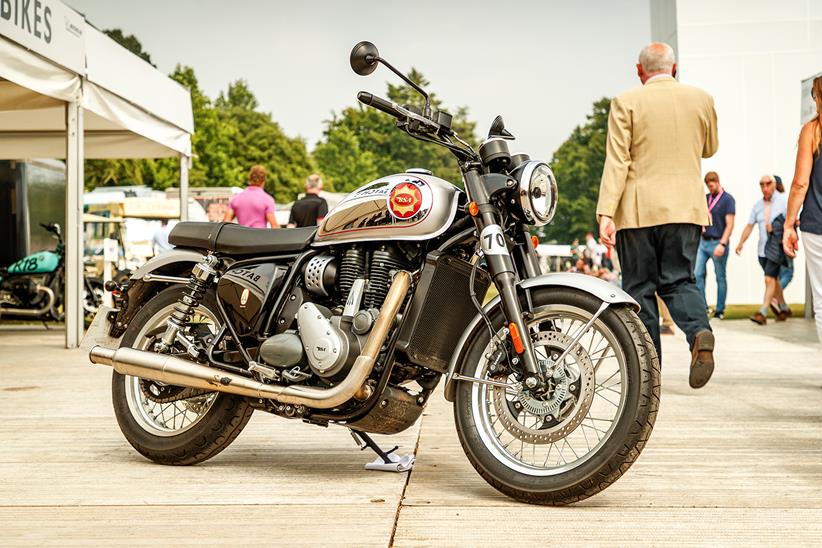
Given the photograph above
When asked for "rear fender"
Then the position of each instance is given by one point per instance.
(600, 289)
(172, 262)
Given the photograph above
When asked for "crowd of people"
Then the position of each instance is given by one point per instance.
(656, 227)
(652, 209)
(254, 207)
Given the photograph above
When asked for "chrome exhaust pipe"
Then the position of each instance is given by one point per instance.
(180, 372)
(30, 312)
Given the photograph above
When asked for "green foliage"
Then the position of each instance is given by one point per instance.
(578, 165)
(231, 134)
(130, 42)
(362, 143)
(254, 138)
(345, 164)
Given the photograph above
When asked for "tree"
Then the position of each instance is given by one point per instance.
(360, 142)
(346, 165)
(253, 137)
(131, 43)
(119, 171)
(578, 165)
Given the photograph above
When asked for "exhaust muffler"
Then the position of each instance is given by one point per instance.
(181, 372)
(32, 312)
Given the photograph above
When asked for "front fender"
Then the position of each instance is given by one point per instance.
(600, 289)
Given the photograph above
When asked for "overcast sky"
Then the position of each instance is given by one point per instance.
(538, 63)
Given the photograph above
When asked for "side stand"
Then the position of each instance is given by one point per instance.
(386, 461)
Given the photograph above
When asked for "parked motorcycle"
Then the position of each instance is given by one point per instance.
(33, 286)
(555, 381)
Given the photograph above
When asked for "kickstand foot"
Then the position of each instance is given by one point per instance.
(386, 461)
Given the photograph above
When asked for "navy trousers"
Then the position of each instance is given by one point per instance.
(660, 260)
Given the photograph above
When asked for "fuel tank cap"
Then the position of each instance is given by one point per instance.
(419, 170)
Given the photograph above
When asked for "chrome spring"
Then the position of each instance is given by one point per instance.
(184, 309)
(201, 276)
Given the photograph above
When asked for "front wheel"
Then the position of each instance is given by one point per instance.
(574, 436)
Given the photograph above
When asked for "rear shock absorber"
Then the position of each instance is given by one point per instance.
(201, 276)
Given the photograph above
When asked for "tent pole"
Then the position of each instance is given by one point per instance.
(73, 235)
(184, 187)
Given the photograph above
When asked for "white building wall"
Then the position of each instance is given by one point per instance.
(752, 56)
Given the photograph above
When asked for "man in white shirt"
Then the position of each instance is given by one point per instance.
(159, 242)
(763, 213)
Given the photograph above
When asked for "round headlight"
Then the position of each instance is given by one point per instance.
(537, 193)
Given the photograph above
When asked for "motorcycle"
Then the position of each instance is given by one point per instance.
(33, 286)
(555, 381)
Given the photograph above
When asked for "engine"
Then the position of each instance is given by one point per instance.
(22, 290)
(339, 303)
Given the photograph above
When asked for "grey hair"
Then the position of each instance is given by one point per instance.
(313, 181)
(657, 57)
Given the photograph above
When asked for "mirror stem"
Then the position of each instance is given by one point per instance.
(407, 80)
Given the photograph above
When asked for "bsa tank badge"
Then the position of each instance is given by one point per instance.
(404, 201)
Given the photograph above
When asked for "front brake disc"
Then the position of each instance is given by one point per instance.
(553, 417)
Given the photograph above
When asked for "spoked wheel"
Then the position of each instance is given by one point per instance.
(173, 424)
(574, 435)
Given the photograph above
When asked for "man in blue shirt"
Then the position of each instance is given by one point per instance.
(714, 242)
(763, 214)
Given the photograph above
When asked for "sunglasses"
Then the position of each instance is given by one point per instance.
(765, 183)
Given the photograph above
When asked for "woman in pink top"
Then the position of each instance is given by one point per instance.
(253, 206)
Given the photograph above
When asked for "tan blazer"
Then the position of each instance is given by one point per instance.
(657, 135)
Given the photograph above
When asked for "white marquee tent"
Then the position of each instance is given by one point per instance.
(68, 91)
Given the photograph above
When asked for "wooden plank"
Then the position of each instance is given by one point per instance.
(363, 525)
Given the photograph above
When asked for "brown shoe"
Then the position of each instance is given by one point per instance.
(702, 359)
(775, 310)
(759, 318)
(666, 330)
(781, 316)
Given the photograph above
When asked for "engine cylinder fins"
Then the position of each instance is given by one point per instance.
(352, 267)
(320, 275)
(384, 261)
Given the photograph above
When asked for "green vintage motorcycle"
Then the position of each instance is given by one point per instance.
(33, 286)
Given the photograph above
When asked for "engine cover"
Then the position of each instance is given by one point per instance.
(325, 344)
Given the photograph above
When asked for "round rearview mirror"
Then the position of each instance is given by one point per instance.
(364, 58)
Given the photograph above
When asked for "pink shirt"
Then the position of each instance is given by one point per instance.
(251, 206)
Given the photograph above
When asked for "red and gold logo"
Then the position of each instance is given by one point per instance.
(404, 201)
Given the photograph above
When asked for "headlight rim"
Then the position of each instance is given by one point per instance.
(524, 194)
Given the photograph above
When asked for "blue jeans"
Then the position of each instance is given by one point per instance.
(705, 252)
(786, 274)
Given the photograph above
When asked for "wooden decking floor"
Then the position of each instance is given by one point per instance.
(738, 463)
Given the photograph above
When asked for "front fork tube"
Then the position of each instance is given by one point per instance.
(501, 267)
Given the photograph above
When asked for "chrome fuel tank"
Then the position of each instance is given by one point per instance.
(406, 206)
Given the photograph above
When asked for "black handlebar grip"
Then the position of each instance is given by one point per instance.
(380, 104)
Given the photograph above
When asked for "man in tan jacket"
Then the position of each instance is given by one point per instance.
(651, 204)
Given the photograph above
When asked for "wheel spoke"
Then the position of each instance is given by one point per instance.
(560, 447)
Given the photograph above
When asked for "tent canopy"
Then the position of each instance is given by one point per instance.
(130, 109)
(68, 91)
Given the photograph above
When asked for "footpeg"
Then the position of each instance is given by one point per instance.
(266, 373)
(386, 461)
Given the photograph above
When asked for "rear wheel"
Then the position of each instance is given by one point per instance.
(583, 430)
(171, 424)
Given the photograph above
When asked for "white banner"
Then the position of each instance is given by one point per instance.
(808, 104)
(47, 27)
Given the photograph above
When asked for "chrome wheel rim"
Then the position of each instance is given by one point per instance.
(172, 418)
(521, 448)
